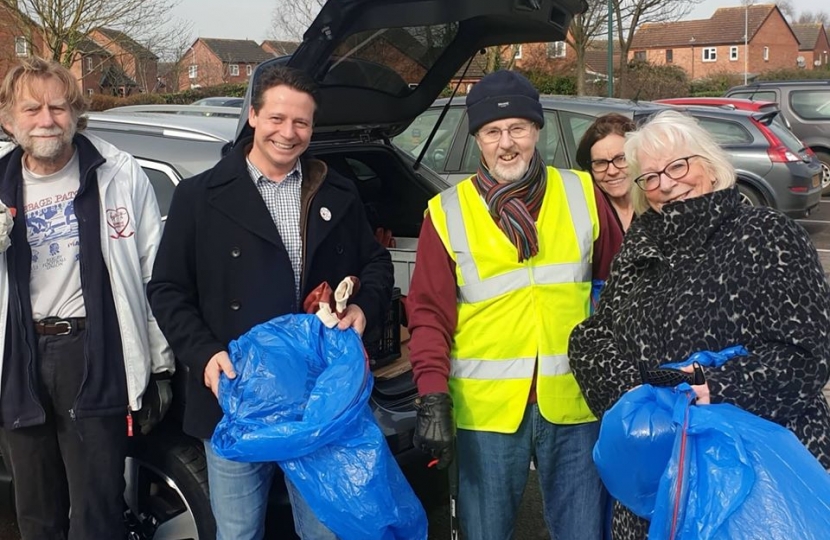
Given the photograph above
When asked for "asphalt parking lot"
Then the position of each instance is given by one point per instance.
(530, 525)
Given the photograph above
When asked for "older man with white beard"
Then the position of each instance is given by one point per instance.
(503, 273)
(79, 341)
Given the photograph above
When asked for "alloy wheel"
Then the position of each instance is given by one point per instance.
(158, 509)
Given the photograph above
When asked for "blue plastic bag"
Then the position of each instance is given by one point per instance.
(710, 472)
(597, 285)
(300, 398)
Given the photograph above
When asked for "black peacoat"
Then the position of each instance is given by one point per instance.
(222, 268)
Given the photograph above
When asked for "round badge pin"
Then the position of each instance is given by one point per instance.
(325, 213)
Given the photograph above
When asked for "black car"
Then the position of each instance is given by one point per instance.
(773, 168)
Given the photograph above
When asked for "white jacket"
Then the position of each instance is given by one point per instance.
(131, 229)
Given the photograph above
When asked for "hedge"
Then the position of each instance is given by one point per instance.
(102, 102)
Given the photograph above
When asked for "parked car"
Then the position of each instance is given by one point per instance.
(368, 96)
(772, 167)
(225, 101)
(729, 103)
(806, 105)
(192, 110)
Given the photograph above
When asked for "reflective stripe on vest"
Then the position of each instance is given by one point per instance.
(475, 289)
(518, 368)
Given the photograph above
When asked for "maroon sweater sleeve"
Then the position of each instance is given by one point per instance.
(609, 240)
(432, 312)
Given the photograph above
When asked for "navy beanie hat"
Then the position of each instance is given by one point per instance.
(503, 94)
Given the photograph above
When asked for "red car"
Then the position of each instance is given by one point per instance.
(725, 102)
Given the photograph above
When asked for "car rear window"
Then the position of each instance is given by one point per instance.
(407, 52)
(787, 137)
(725, 132)
(811, 104)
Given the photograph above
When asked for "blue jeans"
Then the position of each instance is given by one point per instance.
(239, 500)
(493, 470)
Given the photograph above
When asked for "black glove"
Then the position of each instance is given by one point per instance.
(435, 429)
(155, 402)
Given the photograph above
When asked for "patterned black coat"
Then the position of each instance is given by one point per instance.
(707, 274)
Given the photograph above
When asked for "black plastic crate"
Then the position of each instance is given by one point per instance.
(383, 346)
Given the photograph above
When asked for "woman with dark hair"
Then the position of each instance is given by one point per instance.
(600, 152)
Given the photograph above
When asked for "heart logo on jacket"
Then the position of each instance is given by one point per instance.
(119, 219)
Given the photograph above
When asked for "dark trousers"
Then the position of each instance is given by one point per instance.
(68, 462)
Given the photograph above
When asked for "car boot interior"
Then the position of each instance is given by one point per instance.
(394, 197)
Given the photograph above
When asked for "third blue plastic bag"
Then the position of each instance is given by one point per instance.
(711, 472)
(300, 398)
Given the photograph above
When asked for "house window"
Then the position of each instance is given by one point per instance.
(518, 53)
(733, 53)
(234, 70)
(669, 56)
(21, 46)
(89, 92)
(710, 54)
(556, 49)
(248, 70)
(766, 54)
(192, 71)
(88, 64)
(640, 56)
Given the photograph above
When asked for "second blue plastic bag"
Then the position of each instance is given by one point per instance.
(300, 398)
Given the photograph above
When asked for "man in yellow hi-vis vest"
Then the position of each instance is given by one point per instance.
(503, 273)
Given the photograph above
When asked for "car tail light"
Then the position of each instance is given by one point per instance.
(777, 152)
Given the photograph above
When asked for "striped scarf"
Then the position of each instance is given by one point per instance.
(513, 205)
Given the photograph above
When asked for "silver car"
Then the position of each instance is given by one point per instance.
(773, 168)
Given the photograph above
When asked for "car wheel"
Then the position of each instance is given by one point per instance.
(750, 196)
(824, 157)
(167, 490)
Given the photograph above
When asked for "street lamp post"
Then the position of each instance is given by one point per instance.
(610, 67)
(746, 39)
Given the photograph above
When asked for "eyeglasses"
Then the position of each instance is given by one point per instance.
(601, 165)
(675, 170)
(516, 131)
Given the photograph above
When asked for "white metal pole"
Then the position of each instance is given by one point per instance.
(746, 40)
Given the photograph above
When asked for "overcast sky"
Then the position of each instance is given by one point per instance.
(251, 19)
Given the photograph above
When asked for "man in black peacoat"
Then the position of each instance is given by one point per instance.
(224, 266)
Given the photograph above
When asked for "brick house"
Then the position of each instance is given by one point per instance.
(210, 61)
(279, 48)
(560, 58)
(19, 38)
(136, 61)
(89, 67)
(715, 45)
(814, 46)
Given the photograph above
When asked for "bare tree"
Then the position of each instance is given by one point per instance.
(786, 8)
(290, 18)
(64, 24)
(806, 17)
(631, 14)
(584, 28)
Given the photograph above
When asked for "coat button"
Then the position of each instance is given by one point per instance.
(339, 249)
(235, 305)
(236, 252)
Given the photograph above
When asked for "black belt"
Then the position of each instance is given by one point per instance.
(59, 327)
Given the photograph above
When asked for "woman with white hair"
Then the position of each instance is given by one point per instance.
(700, 271)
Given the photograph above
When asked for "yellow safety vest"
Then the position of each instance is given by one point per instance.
(515, 316)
